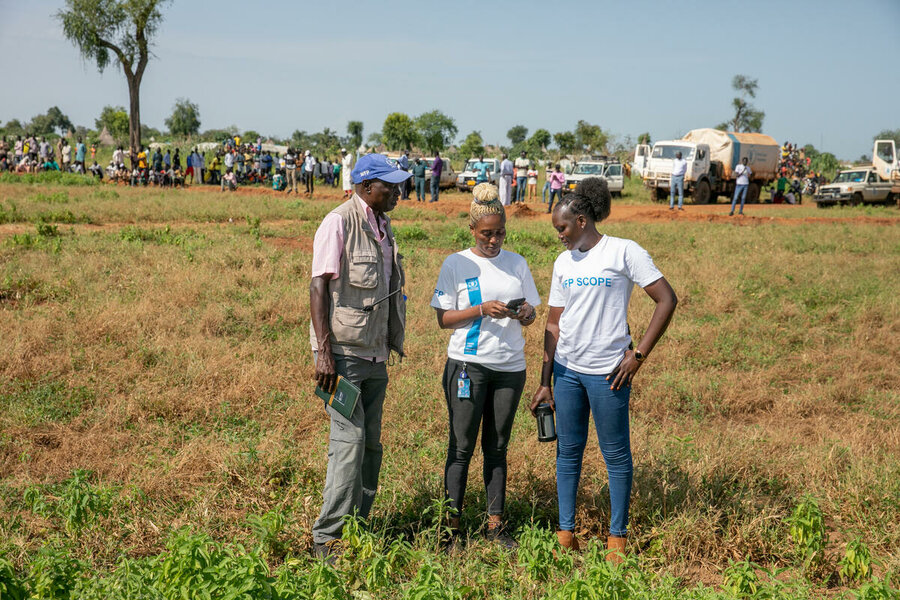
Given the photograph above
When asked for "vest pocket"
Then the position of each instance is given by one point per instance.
(363, 269)
(348, 325)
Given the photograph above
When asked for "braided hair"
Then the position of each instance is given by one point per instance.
(591, 199)
(486, 202)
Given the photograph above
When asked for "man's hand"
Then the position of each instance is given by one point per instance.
(326, 376)
(525, 313)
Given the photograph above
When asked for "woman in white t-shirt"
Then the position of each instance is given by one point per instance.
(485, 371)
(588, 350)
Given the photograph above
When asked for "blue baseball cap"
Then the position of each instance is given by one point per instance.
(377, 166)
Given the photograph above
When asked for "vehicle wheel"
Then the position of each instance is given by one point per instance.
(658, 195)
(857, 199)
(889, 199)
(753, 193)
(702, 193)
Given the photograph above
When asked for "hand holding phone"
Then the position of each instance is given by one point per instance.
(514, 305)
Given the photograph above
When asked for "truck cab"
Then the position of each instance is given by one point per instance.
(609, 169)
(466, 179)
(641, 159)
(863, 185)
(658, 174)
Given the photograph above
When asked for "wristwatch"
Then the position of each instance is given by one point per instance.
(639, 356)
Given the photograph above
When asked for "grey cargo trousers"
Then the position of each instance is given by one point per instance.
(354, 449)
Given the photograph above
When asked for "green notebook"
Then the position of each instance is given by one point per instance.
(344, 397)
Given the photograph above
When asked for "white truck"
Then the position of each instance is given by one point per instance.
(466, 180)
(608, 168)
(855, 186)
(711, 157)
(886, 161)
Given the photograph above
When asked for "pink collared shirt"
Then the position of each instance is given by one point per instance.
(328, 244)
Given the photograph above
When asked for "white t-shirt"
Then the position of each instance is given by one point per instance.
(743, 174)
(594, 288)
(468, 280)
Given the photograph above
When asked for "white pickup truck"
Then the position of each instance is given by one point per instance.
(855, 186)
(611, 170)
(466, 179)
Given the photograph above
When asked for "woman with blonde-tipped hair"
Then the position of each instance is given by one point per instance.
(485, 295)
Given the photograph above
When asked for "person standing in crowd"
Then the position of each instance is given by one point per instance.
(309, 166)
(189, 167)
(590, 354)
(228, 159)
(94, 155)
(679, 168)
(344, 295)
(506, 178)
(557, 181)
(59, 146)
(239, 161)
(418, 171)
(335, 173)
(266, 162)
(157, 160)
(485, 370)
(44, 149)
(80, 152)
(290, 170)
(548, 176)
(437, 167)
(346, 167)
(522, 166)
(66, 156)
(742, 174)
(167, 159)
(532, 183)
(403, 165)
(481, 171)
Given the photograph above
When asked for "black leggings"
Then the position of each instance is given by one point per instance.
(494, 398)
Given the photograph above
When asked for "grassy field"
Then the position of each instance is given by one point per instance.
(158, 431)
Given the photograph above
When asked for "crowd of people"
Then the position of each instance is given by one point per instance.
(485, 296)
(33, 154)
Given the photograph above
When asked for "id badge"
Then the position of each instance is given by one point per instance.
(463, 385)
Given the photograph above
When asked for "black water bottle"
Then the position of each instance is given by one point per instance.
(545, 422)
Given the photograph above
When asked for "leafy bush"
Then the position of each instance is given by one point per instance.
(410, 233)
(856, 564)
(807, 529)
(540, 554)
(76, 501)
(11, 586)
(54, 573)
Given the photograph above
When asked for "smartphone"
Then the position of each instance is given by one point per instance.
(515, 304)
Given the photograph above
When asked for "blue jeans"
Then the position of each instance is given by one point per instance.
(677, 182)
(577, 396)
(739, 190)
(545, 191)
(520, 188)
(435, 188)
(554, 193)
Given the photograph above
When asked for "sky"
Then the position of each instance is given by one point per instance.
(828, 71)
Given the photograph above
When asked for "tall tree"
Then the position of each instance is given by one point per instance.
(747, 118)
(644, 138)
(539, 140)
(51, 121)
(888, 134)
(590, 137)
(185, 118)
(355, 129)
(115, 119)
(472, 146)
(436, 130)
(517, 134)
(566, 141)
(124, 28)
(398, 131)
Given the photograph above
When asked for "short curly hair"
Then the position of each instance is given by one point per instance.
(486, 202)
(591, 199)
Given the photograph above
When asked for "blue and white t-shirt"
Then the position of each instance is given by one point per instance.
(468, 280)
(594, 287)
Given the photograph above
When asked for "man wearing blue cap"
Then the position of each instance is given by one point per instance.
(358, 316)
